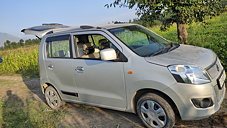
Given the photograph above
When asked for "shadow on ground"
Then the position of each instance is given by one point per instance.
(33, 84)
(15, 112)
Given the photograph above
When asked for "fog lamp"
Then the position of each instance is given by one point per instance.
(202, 102)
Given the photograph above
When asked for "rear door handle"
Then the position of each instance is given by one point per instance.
(80, 69)
(50, 66)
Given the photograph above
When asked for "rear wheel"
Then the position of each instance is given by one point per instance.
(52, 98)
(155, 111)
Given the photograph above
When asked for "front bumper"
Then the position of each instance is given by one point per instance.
(182, 94)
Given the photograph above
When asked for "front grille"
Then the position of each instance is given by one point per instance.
(215, 68)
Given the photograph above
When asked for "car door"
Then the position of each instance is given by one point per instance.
(100, 83)
(56, 59)
(58, 63)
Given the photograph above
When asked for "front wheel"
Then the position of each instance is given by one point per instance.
(155, 111)
(52, 98)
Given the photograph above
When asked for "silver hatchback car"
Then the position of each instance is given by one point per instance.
(127, 67)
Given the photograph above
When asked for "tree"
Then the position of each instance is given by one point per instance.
(145, 22)
(7, 44)
(28, 42)
(21, 42)
(14, 45)
(181, 12)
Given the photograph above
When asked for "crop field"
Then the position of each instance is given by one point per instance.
(22, 60)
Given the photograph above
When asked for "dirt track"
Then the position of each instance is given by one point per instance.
(94, 117)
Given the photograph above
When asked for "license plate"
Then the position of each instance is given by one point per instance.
(221, 80)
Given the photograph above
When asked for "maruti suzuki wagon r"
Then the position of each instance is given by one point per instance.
(127, 67)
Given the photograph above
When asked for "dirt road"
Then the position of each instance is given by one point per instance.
(76, 115)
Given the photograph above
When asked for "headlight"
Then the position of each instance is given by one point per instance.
(189, 74)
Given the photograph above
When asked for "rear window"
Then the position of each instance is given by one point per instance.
(58, 47)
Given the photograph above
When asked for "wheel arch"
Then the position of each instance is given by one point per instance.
(142, 92)
(44, 87)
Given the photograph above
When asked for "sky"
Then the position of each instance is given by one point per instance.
(16, 15)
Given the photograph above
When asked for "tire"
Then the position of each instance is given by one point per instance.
(52, 98)
(155, 111)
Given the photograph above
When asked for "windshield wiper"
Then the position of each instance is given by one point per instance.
(159, 51)
(173, 46)
(166, 49)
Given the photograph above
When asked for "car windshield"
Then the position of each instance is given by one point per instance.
(141, 40)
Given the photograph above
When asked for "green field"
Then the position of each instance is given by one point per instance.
(24, 60)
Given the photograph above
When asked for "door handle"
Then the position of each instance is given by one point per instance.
(50, 66)
(80, 69)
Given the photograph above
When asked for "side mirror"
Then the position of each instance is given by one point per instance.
(108, 54)
(0, 60)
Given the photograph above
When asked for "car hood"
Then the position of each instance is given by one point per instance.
(185, 55)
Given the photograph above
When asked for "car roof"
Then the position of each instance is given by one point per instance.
(44, 29)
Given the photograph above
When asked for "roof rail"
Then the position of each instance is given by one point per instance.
(45, 24)
(86, 27)
(119, 22)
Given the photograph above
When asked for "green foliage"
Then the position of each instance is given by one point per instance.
(212, 36)
(169, 12)
(145, 22)
(170, 34)
(20, 57)
(173, 11)
(21, 43)
(21, 60)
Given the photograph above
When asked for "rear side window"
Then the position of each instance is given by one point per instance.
(58, 47)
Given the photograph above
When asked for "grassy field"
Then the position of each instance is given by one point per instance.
(22, 109)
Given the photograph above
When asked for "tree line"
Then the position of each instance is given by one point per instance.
(13, 45)
(181, 12)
